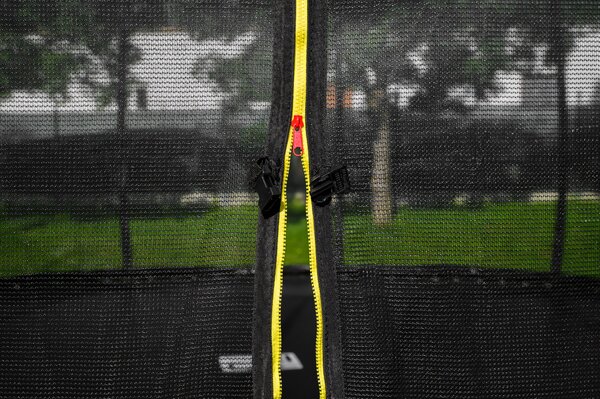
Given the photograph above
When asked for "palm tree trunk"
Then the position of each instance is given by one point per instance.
(381, 187)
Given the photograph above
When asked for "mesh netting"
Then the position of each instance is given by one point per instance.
(183, 333)
(128, 130)
(458, 333)
(460, 139)
(464, 262)
(127, 134)
(470, 132)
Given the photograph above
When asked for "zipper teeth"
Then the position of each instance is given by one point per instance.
(314, 276)
(276, 341)
(298, 108)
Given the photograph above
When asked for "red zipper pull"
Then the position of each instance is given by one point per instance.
(297, 125)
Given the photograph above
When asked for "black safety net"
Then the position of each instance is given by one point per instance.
(175, 333)
(461, 259)
(443, 332)
(466, 127)
(468, 250)
(128, 131)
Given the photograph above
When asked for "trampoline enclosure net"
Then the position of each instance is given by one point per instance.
(182, 333)
(463, 262)
(470, 132)
(450, 118)
(129, 129)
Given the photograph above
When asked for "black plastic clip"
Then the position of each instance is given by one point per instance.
(266, 184)
(323, 187)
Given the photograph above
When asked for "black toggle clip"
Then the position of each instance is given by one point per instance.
(323, 187)
(266, 184)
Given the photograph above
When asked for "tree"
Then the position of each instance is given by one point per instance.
(553, 27)
(46, 41)
(455, 51)
(101, 30)
(244, 31)
(31, 59)
(236, 67)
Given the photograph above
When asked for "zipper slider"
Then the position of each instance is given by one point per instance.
(297, 125)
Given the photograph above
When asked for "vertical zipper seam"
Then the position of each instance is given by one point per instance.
(298, 110)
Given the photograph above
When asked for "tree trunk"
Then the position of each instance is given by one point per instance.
(381, 185)
(121, 98)
(337, 147)
(60, 190)
(558, 41)
(55, 118)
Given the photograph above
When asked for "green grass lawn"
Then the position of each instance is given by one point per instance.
(508, 235)
(496, 235)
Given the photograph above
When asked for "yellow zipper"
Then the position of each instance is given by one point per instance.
(297, 144)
